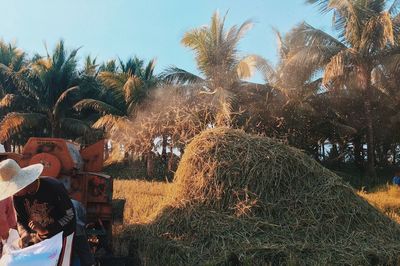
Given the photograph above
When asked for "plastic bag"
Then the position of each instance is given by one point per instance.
(45, 253)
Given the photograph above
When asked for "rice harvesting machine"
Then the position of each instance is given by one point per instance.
(80, 172)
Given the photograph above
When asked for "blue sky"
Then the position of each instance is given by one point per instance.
(152, 28)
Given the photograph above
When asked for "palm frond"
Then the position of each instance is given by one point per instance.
(109, 66)
(377, 33)
(306, 35)
(347, 19)
(243, 29)
(58, 106)
(75, 127)
(301, 65)
(15, 102)
(11, 56)
(177, 75)
(112, 123)
(391, 62)
(195, 39)
(340, 67)
(19, 80)
(132, 89)
(90, 67)
(98, 106)
(283, 49)
(16, 123)
(149, 70)
(113, 80)
(8, 100)
(250, 63)
(215, 48)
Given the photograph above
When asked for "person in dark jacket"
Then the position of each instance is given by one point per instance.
(43, 210)
(42, 205)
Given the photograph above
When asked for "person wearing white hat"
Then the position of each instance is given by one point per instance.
(42, 205)
(14, 178)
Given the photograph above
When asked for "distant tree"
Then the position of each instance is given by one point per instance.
(218, 61)
(368, 41)
(124, 89)
(13, 64)
(51, 83)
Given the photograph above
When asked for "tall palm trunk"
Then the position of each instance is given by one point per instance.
(150, 163)
(55, 126)
(55, 131)
(224, 112)
(368, 94)
(358, 154)
(171, 160)
(164, 148)
(370, 141)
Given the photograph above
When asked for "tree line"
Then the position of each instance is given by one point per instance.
(335, 97)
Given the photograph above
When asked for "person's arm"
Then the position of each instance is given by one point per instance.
(27, 237)
(22, 217)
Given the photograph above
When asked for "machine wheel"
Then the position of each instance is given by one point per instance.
(52, 165)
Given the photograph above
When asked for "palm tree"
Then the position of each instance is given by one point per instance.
(12, 66)
(218, 61)
(367, 43)
(90, 68)
(51, 84)
(125, 89)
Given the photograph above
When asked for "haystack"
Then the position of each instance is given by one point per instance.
(244, 199)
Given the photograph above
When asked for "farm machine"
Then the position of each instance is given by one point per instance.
(80, 172)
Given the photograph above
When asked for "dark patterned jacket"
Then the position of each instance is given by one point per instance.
(50, 206)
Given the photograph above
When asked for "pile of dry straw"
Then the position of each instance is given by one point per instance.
(244, 199)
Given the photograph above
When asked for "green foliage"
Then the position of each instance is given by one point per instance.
(48, 86)
(123, 89)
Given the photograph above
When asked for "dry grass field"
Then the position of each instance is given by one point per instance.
(238, 198)
(386, 199)
(144, 199)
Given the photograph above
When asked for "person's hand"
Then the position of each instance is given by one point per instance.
(35, 226)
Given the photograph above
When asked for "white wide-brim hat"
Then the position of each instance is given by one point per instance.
(13, 178)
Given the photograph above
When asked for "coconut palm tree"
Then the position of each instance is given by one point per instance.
(218, 61)
(12, 66)
(367, 43)
(52, 83)
(124, 89)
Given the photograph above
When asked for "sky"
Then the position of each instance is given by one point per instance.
(109, 29)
